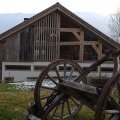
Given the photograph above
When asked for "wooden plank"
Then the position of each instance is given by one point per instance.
(44, 40)
(81, 53)
(82, 35)
(55, 57)
(100, 50)
(77, 43)
(49, 48)
(56, 44)
(51, 38)
(79, 37)
(80, 87)
(90, 42)
(35, 41)
(0, 71)
(1, 51)
(54, 32)
(69, 43)
(95, 48)
(58, 36)
(112, 112)
(40, 41)
(46, 47)
(32, 42)
(52, 17)
(37, 57)
(70, 29)
(11, 50)
(37, 44)
(115, 117)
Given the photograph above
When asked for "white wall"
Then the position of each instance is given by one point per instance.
(22, 75)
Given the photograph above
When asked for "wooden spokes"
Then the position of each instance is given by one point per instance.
(48, 96)
(108, 106)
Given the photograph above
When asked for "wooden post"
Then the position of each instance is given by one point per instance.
(3, 69)
(99, 56)
(81, 53)
(118, 58)
(0, 71)
(100, 50)
(58, 37)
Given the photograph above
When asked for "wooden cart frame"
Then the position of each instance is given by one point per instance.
(63, 88)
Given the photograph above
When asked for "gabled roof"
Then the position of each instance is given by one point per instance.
(65, 11)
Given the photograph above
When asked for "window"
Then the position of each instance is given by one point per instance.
(9, 79)
(39, 67)
(106, 69)
(68, 68)
(88, 36)
(69, 52)
(106, 46)
(17, 67)
(89, 53)
(67, 37)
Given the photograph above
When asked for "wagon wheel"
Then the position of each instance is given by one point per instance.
(53, 104)
(108, 107)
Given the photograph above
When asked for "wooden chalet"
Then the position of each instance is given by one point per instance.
(54, 33)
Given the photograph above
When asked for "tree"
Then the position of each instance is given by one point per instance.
(114, 26)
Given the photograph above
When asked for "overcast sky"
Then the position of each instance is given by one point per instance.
(102, 7)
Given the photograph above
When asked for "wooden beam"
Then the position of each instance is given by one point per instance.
(95, 48)
(81, 52)
(69, 43)
(90, 42)
(79, 37)
(58, 36)
(40, 41)
(49, 47)
(69, 30)
(80, 87)
(100, 50)
(78, 43)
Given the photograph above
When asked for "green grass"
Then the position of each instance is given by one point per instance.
(14, 102)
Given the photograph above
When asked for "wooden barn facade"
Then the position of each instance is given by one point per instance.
(54, 33)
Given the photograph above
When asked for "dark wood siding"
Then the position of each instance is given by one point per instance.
(26, 44)
(11, 48)
(46, 38)
(0, 71)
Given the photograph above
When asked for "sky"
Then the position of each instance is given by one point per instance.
(102, 7)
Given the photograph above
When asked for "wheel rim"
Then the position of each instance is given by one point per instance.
(47, 90)
(108, 106)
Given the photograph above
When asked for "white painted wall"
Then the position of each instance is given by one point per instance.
(21, 75)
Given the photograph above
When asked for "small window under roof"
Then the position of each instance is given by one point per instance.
(89, 36)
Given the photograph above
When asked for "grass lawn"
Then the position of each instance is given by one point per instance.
(14, 102)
